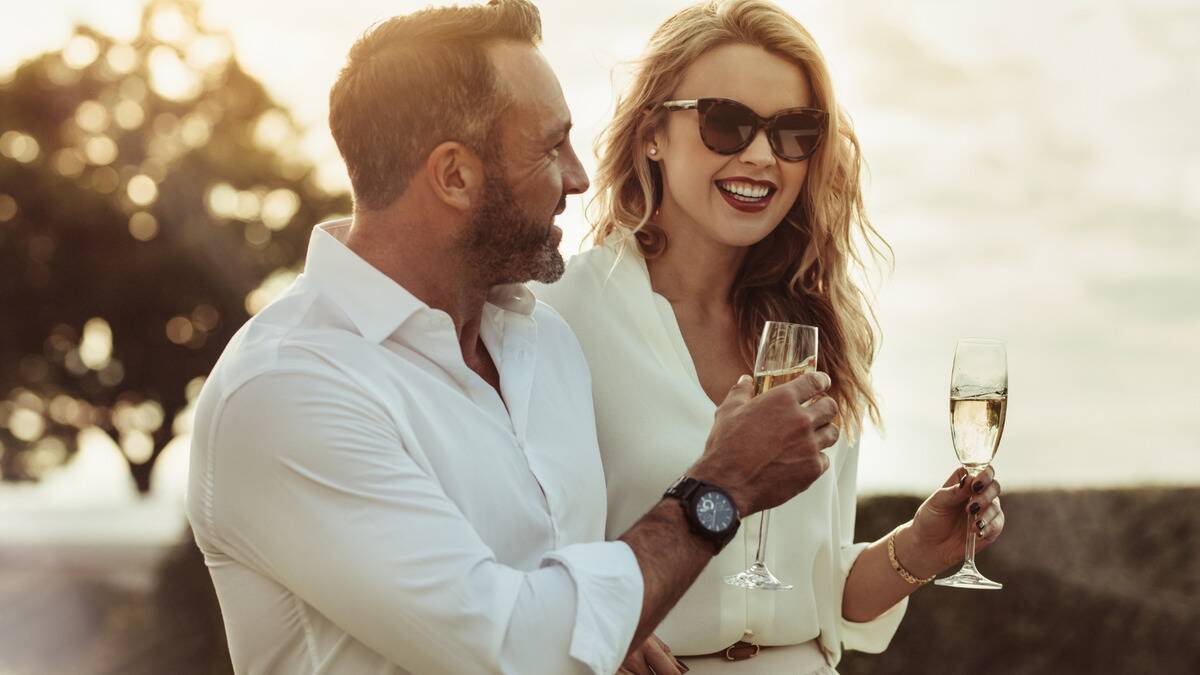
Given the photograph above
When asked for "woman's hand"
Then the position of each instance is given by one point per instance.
(939, 530)
(652, 658)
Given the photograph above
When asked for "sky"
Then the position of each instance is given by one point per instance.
(1035, 166)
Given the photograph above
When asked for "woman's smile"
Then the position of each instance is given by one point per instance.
(745, 194)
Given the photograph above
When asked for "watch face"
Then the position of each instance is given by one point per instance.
(714, 511)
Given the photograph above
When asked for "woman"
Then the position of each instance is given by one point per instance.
(728, 195)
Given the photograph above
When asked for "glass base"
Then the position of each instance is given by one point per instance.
(758, 578)
(968, 577)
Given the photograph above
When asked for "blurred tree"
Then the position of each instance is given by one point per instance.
(152, 197)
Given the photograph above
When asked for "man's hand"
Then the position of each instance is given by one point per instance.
(652, 658)
(766, 450)
(762, 452)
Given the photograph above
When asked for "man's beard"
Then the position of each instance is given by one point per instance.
(505, 244)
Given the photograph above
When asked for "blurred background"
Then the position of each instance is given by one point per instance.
(1035, 166)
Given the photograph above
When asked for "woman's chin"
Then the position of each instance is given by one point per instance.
(744, 234)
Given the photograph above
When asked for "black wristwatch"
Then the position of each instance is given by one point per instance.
(709, 511)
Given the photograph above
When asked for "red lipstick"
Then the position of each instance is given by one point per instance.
(747, 206)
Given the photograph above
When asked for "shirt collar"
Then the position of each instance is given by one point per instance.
(376, 304)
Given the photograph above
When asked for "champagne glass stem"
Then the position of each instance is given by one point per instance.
(969, 549)
(761, 557)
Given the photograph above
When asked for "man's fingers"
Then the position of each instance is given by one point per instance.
(652, 658)
(659, 661)
(823, 411)
(672, 662)
(636, 664)
(806, 386)
(828, 435)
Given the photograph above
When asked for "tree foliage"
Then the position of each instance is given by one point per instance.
(152, 195)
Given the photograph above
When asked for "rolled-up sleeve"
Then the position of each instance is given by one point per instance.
(869, 636)
(330, 505)
(606, 576)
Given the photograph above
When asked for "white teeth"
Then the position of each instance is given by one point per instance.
(744, 189)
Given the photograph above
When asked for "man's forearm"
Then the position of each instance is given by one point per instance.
(671, 558)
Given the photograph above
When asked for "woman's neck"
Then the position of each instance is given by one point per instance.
(695, 270)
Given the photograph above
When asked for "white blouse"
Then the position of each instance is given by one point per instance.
(653, 418)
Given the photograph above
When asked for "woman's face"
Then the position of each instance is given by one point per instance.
(698, 183)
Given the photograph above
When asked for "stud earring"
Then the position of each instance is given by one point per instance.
(653, 151)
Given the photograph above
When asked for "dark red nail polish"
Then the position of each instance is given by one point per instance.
(682, 666)
(962, 481)
(975, 508)
(978, 486)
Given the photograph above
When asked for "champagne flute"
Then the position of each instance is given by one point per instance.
(978, 401)
(785, 352)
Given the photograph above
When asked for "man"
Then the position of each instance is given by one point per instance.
(394, 466)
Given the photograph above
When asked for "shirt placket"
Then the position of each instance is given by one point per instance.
(516, 338)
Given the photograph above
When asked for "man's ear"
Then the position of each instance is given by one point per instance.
(455, 175)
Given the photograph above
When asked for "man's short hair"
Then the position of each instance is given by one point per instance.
(413, 82)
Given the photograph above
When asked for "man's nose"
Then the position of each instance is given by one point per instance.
(575, 178)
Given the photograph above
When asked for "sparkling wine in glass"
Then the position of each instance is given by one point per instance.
(978, 402)
(785, 352)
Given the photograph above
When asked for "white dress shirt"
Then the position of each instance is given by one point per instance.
(653, 418)
(366, 503)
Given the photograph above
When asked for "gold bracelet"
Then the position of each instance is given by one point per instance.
(904, 574)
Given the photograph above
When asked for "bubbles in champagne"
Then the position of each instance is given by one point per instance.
(768, 379)
(977, 423)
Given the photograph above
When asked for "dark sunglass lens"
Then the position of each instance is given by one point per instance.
(727, 127)
(797, 135)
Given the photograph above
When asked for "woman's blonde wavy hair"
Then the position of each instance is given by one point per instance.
(801, 272)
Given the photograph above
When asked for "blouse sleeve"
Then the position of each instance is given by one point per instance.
(869, 636)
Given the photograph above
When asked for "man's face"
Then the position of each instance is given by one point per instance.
(508, 243)
(512, 235)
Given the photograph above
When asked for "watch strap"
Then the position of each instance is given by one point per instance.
(683, 488)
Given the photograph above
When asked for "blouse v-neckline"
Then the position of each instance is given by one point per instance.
(670, 325)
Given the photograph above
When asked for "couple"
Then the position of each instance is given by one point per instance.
(407, 464)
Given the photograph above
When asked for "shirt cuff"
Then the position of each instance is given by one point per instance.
(869, 636)
(608, 601)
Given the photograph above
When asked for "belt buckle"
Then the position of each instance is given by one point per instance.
(741, 650)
